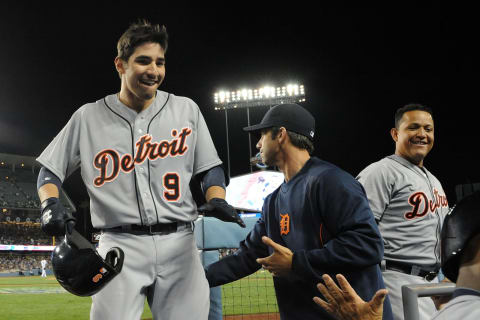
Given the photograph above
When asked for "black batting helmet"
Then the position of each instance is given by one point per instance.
(460, 225)
(80, 269)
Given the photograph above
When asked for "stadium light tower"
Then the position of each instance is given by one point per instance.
(260, 97)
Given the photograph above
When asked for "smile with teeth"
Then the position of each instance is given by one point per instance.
(148, 82)
(422, 143)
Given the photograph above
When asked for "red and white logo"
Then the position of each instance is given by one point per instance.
(109, 162)
(99, 276)
(421, 205)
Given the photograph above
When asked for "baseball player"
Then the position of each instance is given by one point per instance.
(409, 205)
(318, 221)
(138, 150)
(43, 263)
(460, 243)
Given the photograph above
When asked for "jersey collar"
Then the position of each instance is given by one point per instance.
(114, 102)
(409, 165)
(465, 292)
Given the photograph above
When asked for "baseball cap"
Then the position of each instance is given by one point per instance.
(291, 116)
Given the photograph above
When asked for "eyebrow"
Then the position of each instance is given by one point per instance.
(420, 125)
(149, 58)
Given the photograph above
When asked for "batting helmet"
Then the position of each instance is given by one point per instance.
(460, 225)
(80, 269)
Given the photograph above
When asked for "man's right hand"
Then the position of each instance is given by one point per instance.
(55, 217)
(344, 303)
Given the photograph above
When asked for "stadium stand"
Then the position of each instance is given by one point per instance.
(20, 216)
(23, 264)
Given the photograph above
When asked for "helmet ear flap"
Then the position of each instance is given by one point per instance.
(460, 225)
(115, 258)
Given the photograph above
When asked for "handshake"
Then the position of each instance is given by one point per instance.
(220, 209)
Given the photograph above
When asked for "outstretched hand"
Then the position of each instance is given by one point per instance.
(345, 304)
(220, 209)
(279, 263)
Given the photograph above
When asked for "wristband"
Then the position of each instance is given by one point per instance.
(49, 201)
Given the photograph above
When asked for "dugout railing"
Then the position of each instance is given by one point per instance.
(411, 293)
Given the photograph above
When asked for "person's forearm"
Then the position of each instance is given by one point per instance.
(215, 192)
(48, 190)
(351, 248)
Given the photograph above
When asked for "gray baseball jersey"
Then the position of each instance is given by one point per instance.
(410, 204)
(136, 166)
(465, 305)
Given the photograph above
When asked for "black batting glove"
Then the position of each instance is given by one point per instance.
(220, 209)
(56, 220)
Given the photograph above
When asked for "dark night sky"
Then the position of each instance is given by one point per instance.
(357, 64)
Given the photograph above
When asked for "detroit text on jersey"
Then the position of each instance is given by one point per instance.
(145, 148)
(420, 200)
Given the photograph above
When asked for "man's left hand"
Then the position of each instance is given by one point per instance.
(220, 209)
(279, 263)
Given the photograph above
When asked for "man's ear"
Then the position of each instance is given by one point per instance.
(282, 134)
(120, 65)
(394, 134)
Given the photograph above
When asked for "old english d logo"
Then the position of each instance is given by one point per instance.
(284, 224)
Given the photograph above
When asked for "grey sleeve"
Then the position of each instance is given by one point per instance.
(375, 181)
(62, 155)
(206, 155)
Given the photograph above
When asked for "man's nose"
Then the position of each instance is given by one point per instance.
(259, 143)
(153, 70)
(421, 133)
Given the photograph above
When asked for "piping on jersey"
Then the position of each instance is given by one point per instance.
(133, 152)
(321, 238)
(437, 258)
(148, 160)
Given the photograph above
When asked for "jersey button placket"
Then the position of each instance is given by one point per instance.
(141, 172)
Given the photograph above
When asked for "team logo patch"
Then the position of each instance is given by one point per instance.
(99, 276)
(96, 237)
(284, 224)
(47, 216)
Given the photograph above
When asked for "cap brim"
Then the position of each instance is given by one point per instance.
(256, 127)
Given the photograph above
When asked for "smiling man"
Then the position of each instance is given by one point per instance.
(138, 151)
(409, 205)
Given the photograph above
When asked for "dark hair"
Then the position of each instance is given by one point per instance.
(298, 140)
(139, 33)
(410, 107)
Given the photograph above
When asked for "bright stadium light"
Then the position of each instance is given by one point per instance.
(266, 95)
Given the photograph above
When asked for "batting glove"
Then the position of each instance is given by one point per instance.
(55, 218)
(220, 209)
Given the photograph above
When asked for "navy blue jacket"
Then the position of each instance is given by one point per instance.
(331, 229)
